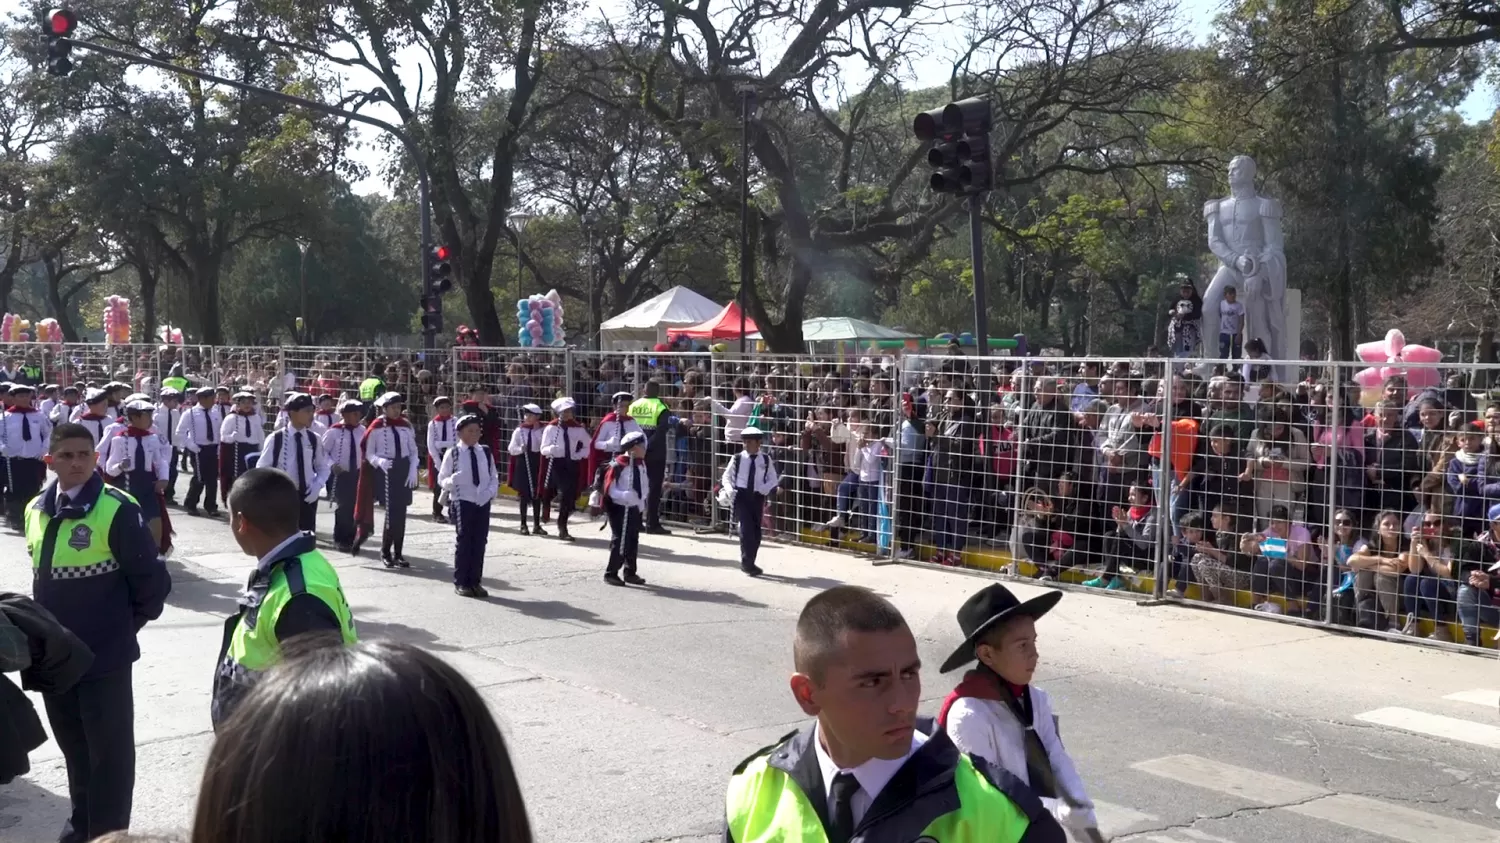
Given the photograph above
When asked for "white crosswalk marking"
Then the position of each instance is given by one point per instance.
(1115, 820)
(1435, 725)
(1195, 834)
(1375, 816)
(1480, 696)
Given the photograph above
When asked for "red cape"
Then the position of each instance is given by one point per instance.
(518, 468)
(364, 496)
(165, 544)
(583, 474)
(595, 455)
(976, 684)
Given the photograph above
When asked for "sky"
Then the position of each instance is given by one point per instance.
(1195, 17)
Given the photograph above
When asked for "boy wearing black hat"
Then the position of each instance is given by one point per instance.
(341, 443)
(441, 436)
(997, 715)
(296, 450)
(753, 478)
(626, 487)
(526, 468)
(24, 435)
(198, 433)
(469, 481)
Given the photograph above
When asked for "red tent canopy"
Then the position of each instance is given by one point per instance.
(724, 325)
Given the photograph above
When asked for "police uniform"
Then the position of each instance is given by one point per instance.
(243, 433)
(752, 478)
(526, 471)
(626, 490)
(95, 567)
(442, 434)
(293, 590)
(135, 459)
(469, 481)
(390, 451)
(565, 444)
(299, 453)
(198, 433)
(655, 419)
(24, 435)
(165, 421)
(342, 444)
(794, 791)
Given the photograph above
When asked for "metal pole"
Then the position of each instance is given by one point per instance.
(302, 295)
(519, 268)
(747, 102)
(1330, 466)
(429, 338)
(1167, 475)
(598, 335)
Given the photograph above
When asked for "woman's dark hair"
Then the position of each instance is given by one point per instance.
(372, 742)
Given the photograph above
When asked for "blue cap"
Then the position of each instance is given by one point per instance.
(1495, 512)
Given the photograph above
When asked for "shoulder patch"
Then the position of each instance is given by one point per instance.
(765, 750)
(81, 537)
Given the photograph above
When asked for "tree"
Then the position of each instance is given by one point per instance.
(1440, 24)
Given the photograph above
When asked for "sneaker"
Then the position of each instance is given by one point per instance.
(1044, 578)
(1443, 633)
(834, 523)
(1268, 607)
(1096, 582)
(634, 579)
(1177, 591)
(906, 553)
(1117, 584)
(1410, 627)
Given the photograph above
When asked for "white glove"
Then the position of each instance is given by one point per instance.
(382, 463)
(632, 498)
(312, 496)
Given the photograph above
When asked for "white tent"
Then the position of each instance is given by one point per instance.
(646, 324)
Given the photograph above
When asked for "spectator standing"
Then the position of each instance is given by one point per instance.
(1231, 325)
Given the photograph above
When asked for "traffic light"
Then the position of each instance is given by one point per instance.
(960, 153)
(58, 28)
(442, 269)
(432, 314)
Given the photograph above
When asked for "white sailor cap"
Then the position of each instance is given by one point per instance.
(170, 392)
(351, 405)
(139, 405)
(531, 409)
(390, 398)
(631, 439)
(137, 396)
(752, 432)
(563, 403)
(243, 395)
(621, 396)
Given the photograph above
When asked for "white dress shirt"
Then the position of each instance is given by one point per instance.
(245, 429)
(112, 430)
(990, 730)
(526, 440)
(95, 427)
(565, 442)
(165, 420)
(314, 469)
(746, 471)
(456, 475)
(198, 427)
(610, 433)
(341, 444)
(61, 412)
(631, 487)
(441, 435)
(26, 439)
(384, 444)
(118, 453)
(873, 775)
(323, 421)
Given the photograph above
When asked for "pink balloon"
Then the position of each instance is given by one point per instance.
(1421, 354)
(1372, 352)
(1368, 378)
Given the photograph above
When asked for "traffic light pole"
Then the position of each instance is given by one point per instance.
(981, 305)
(429, 336)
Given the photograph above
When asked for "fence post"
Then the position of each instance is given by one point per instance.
(1166, 478)
(898, 388)
(713, 444)
(1330, 466)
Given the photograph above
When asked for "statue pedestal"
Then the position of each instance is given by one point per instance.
(1291, 338)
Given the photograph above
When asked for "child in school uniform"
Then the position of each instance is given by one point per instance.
(614, 427)
(24, 436)
(48, 401)
(526, 468)
(64, 409)
(326, 415)
(119, 423)
(996, 714)
(198, 432)
(565, 444)
(753, 478)
(95, 414)
(469, 481)
(165, 420)
(390, 448)
(441, 436)
(242, 433)
(135, 458)
(341, 442)
(297, 450)
(626, 489)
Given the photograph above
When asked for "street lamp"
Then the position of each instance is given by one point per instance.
(747, 112)
(302, 246)
(518, 221)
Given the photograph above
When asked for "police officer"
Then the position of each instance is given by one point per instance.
(292, 591)
(370, 389)
(174, 380)
(863, 771)
(651, 413)
(95, 567)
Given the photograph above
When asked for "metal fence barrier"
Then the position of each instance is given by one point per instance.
(1268, 487)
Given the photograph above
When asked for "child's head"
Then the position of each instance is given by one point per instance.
(70, 454)
(1192, 527)
(530, 415)
(751, 438)
(351, 411)
(70, 394)
(171, 398)
(1230, 294)
(634, 444)
(1222, 520)
(325, 403)
(264, 510)
(299, 410)
(392, 404)
(244, 402)
(563, 408)
(96, 400)
(469, 430)
(1471, 440)
(21, 395)
(442, 405)
(206, 397)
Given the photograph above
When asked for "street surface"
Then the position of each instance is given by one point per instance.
(626, 709)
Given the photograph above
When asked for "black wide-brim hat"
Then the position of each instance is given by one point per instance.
(990, 606)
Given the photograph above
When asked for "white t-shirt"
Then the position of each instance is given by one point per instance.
(1231, 317)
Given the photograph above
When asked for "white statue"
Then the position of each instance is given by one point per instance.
(1244, 232)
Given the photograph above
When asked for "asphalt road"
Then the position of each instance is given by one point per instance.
(625, 709)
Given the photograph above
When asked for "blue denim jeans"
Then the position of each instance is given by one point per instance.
(855, 493)
(1476, 609)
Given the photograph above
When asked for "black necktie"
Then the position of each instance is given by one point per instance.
(474, 466)
(750, 478)
(841, 807)
(62, 501)
(301, 469)
(208, 425)
(140, 453)
(396, 435)
(353, 449)
(25, 428)
(247, 426)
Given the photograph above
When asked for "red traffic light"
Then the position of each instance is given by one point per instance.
(61, 22)
(442, 253)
